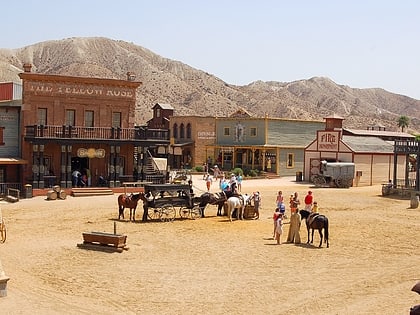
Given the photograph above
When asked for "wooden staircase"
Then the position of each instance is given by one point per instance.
(91, 191)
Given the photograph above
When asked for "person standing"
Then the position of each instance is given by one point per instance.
(208, 182)
(89, 177)
(279, 228)
(294, 202)
(295, 221)
(279, 199)
(75, 175)
(309, 198)
(257, 204)
(239, 182)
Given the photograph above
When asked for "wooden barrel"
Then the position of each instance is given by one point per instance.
(51, 195)
(62, 194)
(249, 212)
(414, 201)
(57, 188)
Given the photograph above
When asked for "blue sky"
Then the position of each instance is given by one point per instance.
(362, 44)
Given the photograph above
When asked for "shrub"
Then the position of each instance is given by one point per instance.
(238, 171)
(253, 173)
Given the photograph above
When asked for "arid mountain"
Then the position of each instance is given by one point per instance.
(195, 92)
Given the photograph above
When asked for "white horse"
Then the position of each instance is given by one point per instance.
(237, 203)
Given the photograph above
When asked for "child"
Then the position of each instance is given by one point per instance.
(315, 207)
(279, 228)
(291, 203)
(276, 215)
(208, 181)
(279, 199)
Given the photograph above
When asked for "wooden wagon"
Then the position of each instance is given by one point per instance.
(163, 198)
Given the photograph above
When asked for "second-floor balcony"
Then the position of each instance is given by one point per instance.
(48, 132)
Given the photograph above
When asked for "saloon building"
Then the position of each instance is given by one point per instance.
(84, 124)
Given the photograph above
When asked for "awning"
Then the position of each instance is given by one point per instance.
(11, 160)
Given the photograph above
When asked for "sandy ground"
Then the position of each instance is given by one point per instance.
(211, 265)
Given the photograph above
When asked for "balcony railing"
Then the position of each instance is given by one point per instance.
(97, 133)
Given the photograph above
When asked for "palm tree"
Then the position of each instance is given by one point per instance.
(403, 122)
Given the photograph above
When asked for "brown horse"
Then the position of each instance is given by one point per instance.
(129, 201)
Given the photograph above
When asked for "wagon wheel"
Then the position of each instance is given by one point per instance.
(196, 212)
(319, 180)
(184, 212)
(153, 214)
(167, 213)
(339, 182)
(2, 231)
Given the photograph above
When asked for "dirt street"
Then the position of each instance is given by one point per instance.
(211, 265)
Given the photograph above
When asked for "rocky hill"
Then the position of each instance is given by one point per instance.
(195, 92)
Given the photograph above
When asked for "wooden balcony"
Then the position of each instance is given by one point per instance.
(76, 133)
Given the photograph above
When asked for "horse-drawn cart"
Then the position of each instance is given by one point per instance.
(163, 198)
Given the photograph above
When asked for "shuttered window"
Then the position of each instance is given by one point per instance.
(116, 119)
(70, 117)
(89, 118)
(42, 116)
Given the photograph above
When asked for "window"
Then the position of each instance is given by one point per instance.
(226, 131)
(89, 118)
(188, 131)
(116, 119)
(182, 131)
(290, 160)
(157, 112)
(253, 131)
(175, 131)
(42, 116)
(70, 117)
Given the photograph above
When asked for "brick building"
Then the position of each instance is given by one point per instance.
(86, 124)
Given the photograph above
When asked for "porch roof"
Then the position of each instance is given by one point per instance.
(12, 160)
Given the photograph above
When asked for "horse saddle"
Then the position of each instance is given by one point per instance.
(312, 217)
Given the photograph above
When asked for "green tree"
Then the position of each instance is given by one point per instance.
(403, 122)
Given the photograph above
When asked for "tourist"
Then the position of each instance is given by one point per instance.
(239, 181)
(295, 222)
(257, 204)
(295, 202)
(309, 198)
(279, 228)
(279, 199)
(208, 182)
(315, 208)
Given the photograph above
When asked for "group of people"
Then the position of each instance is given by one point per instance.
(234, 183)
(295, 220)
(81, 179)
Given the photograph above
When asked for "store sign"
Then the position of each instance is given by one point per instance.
(328, 140)
(91, 153)
(206, 135)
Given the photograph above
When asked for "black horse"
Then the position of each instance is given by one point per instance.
(315, 221)
(214, 199)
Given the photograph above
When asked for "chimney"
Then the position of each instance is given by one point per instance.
(131, 76)
(27, 67)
